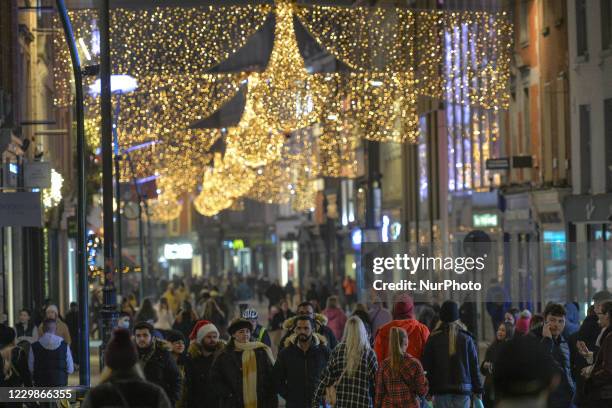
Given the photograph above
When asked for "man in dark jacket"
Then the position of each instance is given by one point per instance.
(50, 360)
(156, 361)
(557, 347)
(204, 348)
(307, 309)
(305, 349)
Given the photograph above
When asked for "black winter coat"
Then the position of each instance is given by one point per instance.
(297, 373)
(160, 368)
(588, 332)
(226, 376)
(126, 391)
(456, 374)
(198, 389)
(562, 396)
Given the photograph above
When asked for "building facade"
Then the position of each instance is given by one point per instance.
(588, 211)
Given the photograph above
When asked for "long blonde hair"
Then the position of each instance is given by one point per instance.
(453, 330)
(357, 342)
(7, 353)
(397, 337)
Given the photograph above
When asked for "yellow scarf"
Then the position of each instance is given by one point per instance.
(249, 370)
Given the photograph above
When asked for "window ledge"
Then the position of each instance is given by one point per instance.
(582, 58)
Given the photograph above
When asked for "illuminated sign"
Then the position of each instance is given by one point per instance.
(554, 236)
(356, 238)
(484, 220)
(178, 251)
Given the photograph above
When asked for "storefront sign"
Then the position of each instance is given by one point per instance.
(503, 163)
(178, 251)
(37, 174)
(485, 220)
(20, 210)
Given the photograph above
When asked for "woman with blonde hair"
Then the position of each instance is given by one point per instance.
(401, 379)
(351, 372)
(450, 359)
(13, 363)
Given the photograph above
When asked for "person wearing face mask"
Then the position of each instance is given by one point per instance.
(124, 321)
(242, 374)
(304, 348)
(205, 346)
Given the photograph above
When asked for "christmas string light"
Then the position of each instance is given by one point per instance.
(252, 139)
(165, 208)
(284, 92)
(163, 106)
(376, 39)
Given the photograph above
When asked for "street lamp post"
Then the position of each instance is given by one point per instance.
(109, 310)
(83, 292)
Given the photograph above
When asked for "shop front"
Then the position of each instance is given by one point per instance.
(589, 228)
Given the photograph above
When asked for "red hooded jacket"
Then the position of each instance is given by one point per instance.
(403, 317)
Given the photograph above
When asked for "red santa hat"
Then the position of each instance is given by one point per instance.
(201, 329)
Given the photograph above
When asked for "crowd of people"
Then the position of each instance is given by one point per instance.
(199, 346)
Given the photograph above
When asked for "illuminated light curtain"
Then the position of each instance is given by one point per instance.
(430, 52)
(285, 93)
(384, 107)
(301, 159)
(84, 24)
(380, 106)
(162, 107)
(163, 40)
(179, 40)
(364, 38)
(165, 208)
(336, 143)
(252, 140)
(401, 40)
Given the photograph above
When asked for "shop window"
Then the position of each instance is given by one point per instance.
(585, 148)
(608, 141)
(606, 24)
(523, 22)
(582, 47)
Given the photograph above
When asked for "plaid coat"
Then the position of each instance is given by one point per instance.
(352, 392)
(401, 391)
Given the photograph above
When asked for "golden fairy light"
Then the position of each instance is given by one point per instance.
(252, 139)
(284, 92)
(166, 207)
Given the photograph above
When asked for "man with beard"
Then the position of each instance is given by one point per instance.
(306, 349)
(307, 309)
(156, 361)
(205, 346)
